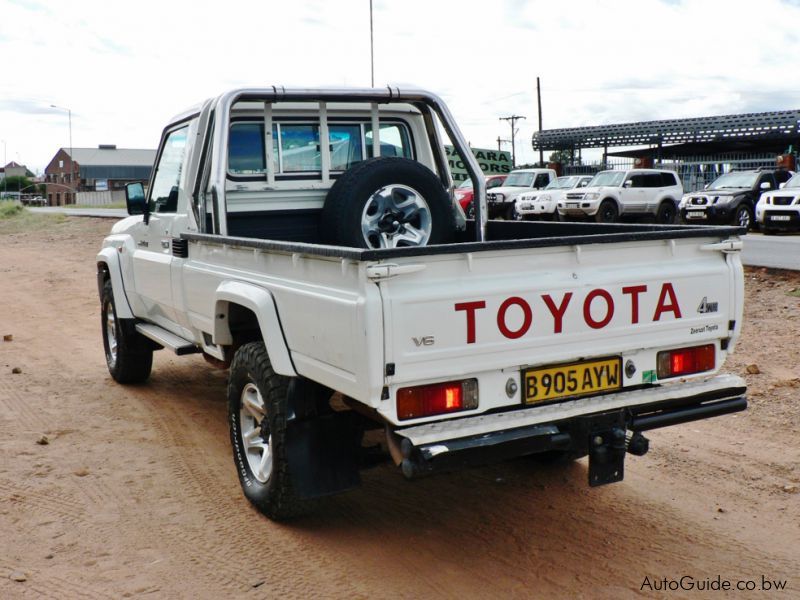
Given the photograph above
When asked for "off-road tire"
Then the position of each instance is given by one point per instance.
(666, 213)
(134, 352)
(274, 497)
(607, 213)
(346, 200)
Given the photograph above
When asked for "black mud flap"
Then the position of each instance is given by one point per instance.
(323, 454)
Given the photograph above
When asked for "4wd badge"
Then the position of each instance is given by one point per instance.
(707, 307)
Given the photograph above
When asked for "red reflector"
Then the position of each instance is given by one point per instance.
(685, 361)
(436, 399)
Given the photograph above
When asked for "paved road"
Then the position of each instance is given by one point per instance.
(112, 213)
(778, 252)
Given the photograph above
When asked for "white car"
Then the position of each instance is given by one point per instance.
(780, 209)
(501, 200)
(610, 194)
(542, 204)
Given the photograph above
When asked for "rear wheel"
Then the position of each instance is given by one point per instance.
(257, 407)
(607, 213)
(129, 355)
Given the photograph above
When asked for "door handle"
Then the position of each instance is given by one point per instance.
(142, 243)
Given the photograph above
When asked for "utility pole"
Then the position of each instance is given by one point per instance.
(371, 49)
(501, 141)
(71, 154)
(513, 122)
(539, 97)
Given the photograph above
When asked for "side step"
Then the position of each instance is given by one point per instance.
(167, 339)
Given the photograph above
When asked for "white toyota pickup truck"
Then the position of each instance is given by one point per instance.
(350, 300)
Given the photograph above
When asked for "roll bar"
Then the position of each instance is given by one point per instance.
(225, 102)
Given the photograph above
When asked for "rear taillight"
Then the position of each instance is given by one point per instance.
(436, 399)
(685, 361)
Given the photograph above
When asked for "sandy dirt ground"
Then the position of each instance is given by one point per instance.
(135, 494)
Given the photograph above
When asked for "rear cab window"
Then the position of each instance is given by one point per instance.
(296, 146)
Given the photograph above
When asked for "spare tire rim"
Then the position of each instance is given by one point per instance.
(394, 216)
(255, 434)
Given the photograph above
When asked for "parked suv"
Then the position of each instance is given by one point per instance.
(635, 192)
(731, 198)
(542, 204)
(780, 209)
(501, 199)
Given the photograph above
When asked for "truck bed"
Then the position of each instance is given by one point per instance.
(500, 235)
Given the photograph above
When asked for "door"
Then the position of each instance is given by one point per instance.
(633, 194)
(153, 258)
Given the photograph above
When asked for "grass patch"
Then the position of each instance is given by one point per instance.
(795, 293)
(14, 218)
(9, 209)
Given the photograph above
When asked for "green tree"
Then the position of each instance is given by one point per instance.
(565, 157)
(14, 184)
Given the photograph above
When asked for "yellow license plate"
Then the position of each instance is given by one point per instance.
(578, 379)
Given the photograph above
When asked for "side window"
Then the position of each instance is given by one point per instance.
(497, 182)
(653, 180)
(668, 179)
(782, 176)
(542, 179)
(246, 155)
(637, 180)
(164, 193)
(766, 178)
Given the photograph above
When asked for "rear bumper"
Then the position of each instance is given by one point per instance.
(569, 426)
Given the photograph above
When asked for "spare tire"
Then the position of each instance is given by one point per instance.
(387, 202)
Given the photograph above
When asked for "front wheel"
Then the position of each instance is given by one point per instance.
(257, 407)
(129, 355)
(743, 217)
(607, 213)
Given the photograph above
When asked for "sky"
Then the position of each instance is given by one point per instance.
(124, 69)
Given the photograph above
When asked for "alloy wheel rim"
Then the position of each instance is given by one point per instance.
(111, 335)
(255, 434)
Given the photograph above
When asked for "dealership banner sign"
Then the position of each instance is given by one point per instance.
(492, 162)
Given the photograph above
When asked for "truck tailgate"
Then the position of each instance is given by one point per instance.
(505, 310)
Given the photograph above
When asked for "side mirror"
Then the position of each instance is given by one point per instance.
(628, 183)
(136, 201)
(765, 185)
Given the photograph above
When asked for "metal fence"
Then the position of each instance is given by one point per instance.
(101, 198)
(695, 171)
